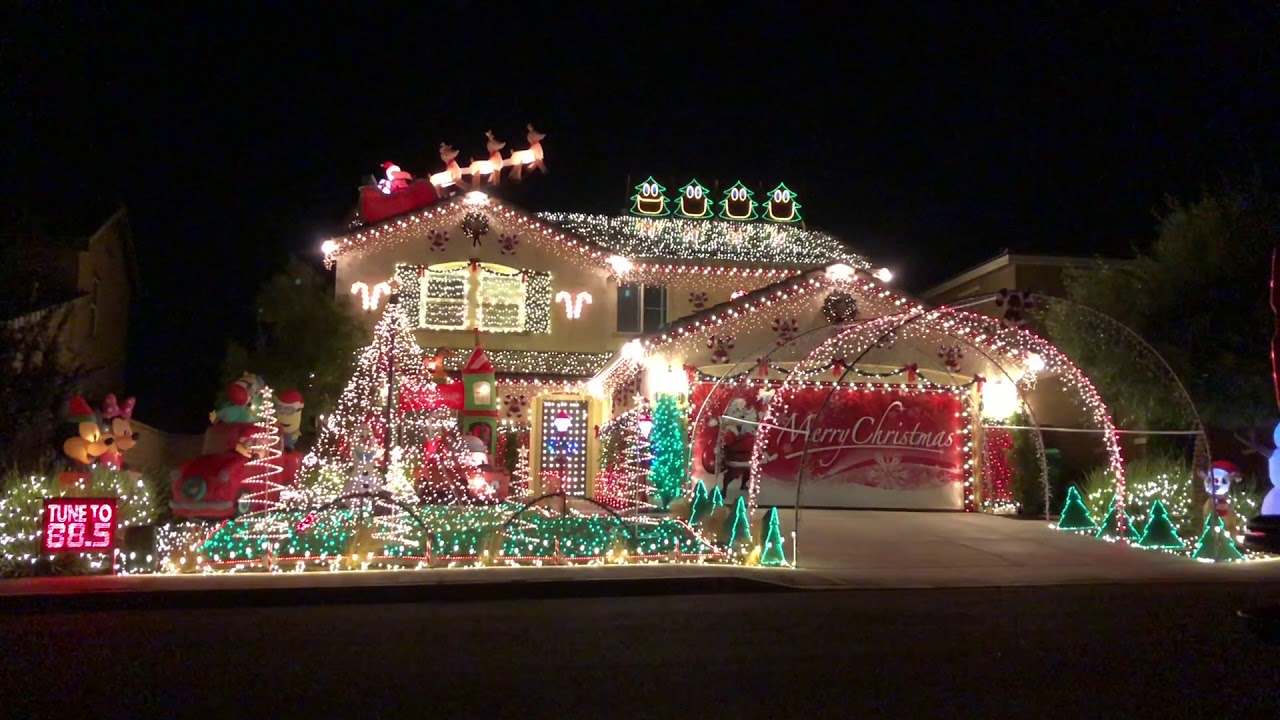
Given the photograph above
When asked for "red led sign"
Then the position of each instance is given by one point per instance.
(79, 525)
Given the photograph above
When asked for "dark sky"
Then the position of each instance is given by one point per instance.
(930, 139)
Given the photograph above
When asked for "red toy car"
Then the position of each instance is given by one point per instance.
(214, 485)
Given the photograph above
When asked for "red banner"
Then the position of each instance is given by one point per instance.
(885, 446)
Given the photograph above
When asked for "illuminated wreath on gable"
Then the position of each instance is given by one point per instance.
(839, 307)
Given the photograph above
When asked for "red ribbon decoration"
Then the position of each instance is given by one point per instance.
(978, 380)
(762, 366)
(837, 367)
(911, 372)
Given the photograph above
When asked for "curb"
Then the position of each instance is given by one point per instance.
(106, 600)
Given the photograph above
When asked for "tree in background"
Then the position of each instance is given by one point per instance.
(306, 339)
(1199, 297)
(1024, 462)
(668, 470)
(35, 381)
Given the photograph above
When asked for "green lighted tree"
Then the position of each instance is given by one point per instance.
(772, 554)
(1159, 532)
(1075, 516)
(739, 528)
(1215, 543)
(1110, 529)
(650, 199)
(667, 443)
(701, 504)
(717, 497)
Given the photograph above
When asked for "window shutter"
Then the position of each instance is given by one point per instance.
(538, 297)
(410, 290)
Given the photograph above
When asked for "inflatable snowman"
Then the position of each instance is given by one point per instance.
(364, 455)
(1271, 503)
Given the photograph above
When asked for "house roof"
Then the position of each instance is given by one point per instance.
(667, 245)
(674, 238)
(1006, 259)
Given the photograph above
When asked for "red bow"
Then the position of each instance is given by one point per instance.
(978, 380)
(837, 367)
(911, 372)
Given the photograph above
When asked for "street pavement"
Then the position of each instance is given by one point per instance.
(1156, 650)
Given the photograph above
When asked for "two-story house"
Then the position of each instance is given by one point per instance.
(584, 317)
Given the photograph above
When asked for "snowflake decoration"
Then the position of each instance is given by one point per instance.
(786, 330)
(691, 234)
(439, 239)
(698, 300)
(720, 346)
(516, 405)
(888, 473)
(508, 242)
(887, 340)
(1015, 303)
(951, 355)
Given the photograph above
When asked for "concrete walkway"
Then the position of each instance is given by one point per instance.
(838, 549)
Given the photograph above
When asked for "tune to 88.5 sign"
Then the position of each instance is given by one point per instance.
(79, 524)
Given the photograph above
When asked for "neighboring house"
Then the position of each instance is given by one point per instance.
(85, 272)
(1040, 274)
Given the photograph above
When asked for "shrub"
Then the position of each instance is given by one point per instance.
(22, 504)
(1163, 477)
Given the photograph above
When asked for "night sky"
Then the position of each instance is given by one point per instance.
(931, 140)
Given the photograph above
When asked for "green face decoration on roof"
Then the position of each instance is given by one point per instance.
(737, 204)
(695, 201)
(781, 206)
(650, 199)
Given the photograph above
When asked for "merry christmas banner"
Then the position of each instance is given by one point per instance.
(882, 446)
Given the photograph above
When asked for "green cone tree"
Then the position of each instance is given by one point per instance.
(772, 555)
(738, 529)
(1075, 516)
(667, 471)
(1215, 543)
(1110, 529)
(717, 497)
(1159, 532)
(701, 505)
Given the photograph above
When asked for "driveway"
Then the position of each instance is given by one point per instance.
(866, 548)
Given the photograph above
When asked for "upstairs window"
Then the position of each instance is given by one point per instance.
(641, 308)
(494, 298)
(443, 302)
(501, 300)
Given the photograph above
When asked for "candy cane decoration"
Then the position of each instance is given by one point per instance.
(573, 303)
(370, 299)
